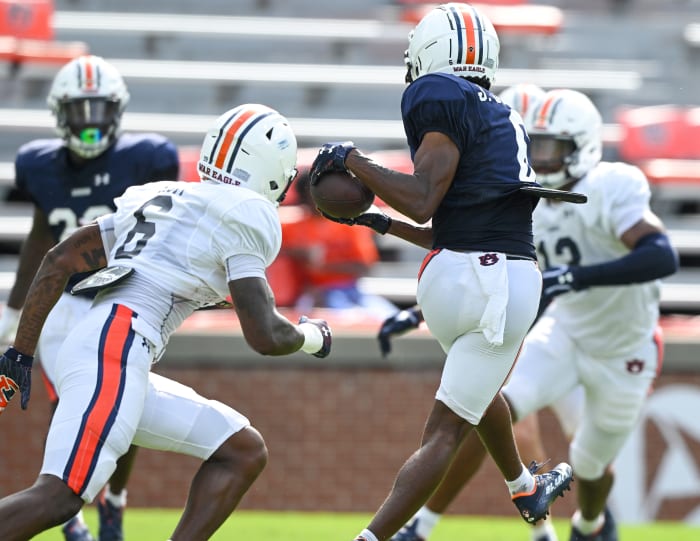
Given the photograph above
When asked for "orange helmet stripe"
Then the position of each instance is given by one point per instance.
(89, 75)
(470, 45)
(544, 111)
(230, 136)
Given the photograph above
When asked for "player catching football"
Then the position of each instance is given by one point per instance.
(479, 287)
(602, 263)
(190, 245)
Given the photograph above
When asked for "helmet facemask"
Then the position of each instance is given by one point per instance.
(550, 156)
(89, 124)
(88, 97)
(565, 131)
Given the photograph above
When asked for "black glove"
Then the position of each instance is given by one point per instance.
(15, 375)
(558, 280)
(373, 218)
(331, 157)
(399, 323)
(322, 324)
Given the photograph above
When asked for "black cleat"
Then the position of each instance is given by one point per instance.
(534, 506)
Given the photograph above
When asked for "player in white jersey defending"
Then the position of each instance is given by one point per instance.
(602, 261)
(523, 98)
(172, 248)
(71, 180)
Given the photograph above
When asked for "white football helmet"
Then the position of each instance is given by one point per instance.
(522, 97)
(251, 146)
(566, 137)
(88, 97)
(453, 38)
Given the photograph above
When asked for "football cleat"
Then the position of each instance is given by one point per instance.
(607, 533)
(76, 530)
(110, 520)
(534, 505)
(408, 532)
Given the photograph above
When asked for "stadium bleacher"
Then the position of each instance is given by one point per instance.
(341, 77)
(27, 35)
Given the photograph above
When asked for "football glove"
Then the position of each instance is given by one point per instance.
(331, 157)
(373, 218)
(399, 323)
(558, 280)
(326, 335)
(15, 375)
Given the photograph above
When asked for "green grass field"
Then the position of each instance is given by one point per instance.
(157, 524)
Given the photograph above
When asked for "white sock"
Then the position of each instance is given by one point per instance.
(587, 526)
(427, 520)
(366, 535)
(544, 527)
(117, 500)
(524, 483)
(79, 516)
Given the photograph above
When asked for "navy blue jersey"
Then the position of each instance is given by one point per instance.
(72, 196)
(483, 209)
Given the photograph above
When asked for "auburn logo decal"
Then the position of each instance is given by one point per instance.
(487, 260)
(635, 366)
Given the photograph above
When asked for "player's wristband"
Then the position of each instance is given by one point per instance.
(19, 357)
(313, 338)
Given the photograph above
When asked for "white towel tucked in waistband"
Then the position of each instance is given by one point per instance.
(492, 271)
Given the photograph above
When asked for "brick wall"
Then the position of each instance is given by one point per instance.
(336, 439)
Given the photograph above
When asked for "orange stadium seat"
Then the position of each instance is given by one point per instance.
(285, 280)
(189, 156)
(665, 142)
(663, 131)
(27, 34)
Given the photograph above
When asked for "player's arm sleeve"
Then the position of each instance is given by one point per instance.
(652, 257)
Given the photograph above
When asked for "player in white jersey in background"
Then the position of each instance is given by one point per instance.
(523, 98)
(187, 245)
(602, 262)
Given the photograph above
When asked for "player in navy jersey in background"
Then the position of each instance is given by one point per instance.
(479, 287)
(71, 180)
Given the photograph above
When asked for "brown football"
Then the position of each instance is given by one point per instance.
(341, 195)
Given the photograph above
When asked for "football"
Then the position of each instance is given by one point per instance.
(341, 195)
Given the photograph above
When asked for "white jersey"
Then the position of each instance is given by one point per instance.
(605, 321)
(185, 241)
